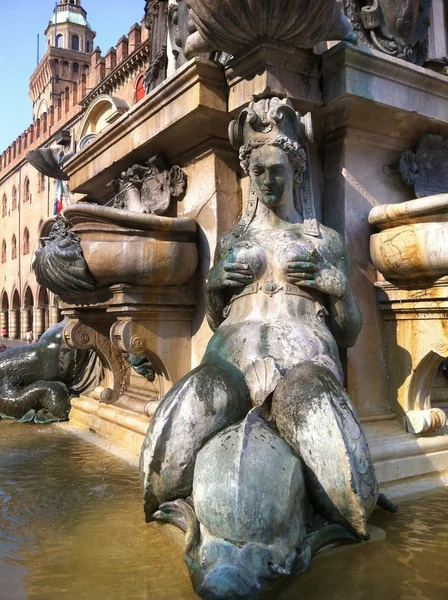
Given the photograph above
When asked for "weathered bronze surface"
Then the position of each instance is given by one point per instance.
(50, 161)
(156, 21)
(233, 25)
(279, 303)
(37, 381)
(60, 265)
(397, 27)
(426, 169)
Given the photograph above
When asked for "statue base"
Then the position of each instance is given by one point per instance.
(152, 324)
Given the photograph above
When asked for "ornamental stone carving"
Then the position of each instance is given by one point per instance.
(149, 187)
(427, 168)
(397, 27)
(60, 265)
(233, 25)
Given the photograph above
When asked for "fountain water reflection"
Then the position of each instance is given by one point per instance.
(72, 528)
(72, 524)
(409, 565)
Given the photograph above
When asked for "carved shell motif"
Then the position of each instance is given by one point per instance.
(232, 25)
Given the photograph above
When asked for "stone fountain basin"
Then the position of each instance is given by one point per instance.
(120, 246)
(413, 238)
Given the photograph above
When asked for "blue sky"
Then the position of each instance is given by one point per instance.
(18, 55)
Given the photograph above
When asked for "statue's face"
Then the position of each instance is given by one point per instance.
(271, 174)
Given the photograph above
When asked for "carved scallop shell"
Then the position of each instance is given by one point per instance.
(262, 377)
(177, 181)
(232, 25)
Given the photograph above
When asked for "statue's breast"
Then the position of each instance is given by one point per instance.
(268, 254)
(250, 253)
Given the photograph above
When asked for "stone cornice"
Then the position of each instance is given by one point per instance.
(368, 75)
(194, 99)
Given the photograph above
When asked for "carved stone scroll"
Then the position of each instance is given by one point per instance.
(82, 336)
(425, 421)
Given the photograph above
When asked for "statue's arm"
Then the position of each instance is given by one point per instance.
(215, 292)
(223, 279)
(345, 316)
(325, 268)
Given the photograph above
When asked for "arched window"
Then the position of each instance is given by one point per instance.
(59, 41)
(26, 241)
(75, 68)
(14, 247)
(75, 42)
(26, 190)
(41, 183)
(88, 46)
(65, 66)
(3, 251)
(4, 206)
(14, 198)
(139, 89)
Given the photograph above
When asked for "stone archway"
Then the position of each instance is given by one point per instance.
(14, 316)
(4, 313)
(27, 312)
(42, 313)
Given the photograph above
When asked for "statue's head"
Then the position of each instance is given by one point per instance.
(221, 570)
(275, 167)
(266, 134)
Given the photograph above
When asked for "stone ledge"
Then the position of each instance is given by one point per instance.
(182, 113)
(399, 455)
(269, 67)
(396, 455)
(116, 424)
(381, 94)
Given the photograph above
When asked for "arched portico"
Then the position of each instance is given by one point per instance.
(27, 311)
(14, 316)
(4, 312)
(42, 313)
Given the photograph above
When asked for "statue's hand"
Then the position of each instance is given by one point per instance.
(311, 269)
(227, 275)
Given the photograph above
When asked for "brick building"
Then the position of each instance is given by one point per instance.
(76, 94)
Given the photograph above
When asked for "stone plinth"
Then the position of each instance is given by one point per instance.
(274, 69)
(416, 338)
(154, 322)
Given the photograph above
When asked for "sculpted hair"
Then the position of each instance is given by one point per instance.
(295, 153)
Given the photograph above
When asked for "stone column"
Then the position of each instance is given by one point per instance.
(39, 322)
(13, 323)
(4, 320)
(55, 315)
(25, 321)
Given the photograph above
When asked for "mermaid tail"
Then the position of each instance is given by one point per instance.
(316, 417)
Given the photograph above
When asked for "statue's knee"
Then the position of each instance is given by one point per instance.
(306, 383)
